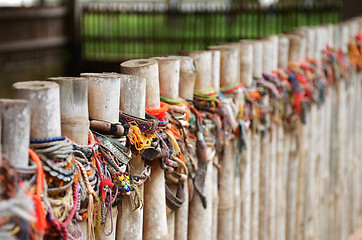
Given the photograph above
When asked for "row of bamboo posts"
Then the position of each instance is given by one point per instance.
(293, 182)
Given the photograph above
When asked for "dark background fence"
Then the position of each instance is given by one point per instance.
(39, 42)
(112, 33)
(35, 43)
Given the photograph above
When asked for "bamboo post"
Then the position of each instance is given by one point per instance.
(267, 52)
(200, 219)
(325, 199)
(147, 68)
(246, 63)
(354, 168)
(296, 48)
(353, 28)
(281, 155)
(330, 35)
(132, 101)
(15, 130)
(229, 212)
(307, 181)
(257, 63)
(281, 190)
(344, 36)
(216, 58)
(73, 108)
(264, 190)
(103, 96)
(203, 62)
(291, 142)
(103, 104)
(245, 49)
(181, 217)
(188, 72)
(283, 51)
(258, 53)
(273, 179)
(301, 178)
(215, 191)
(348, 154)
(357, 153)
(265, 160)
(337, 37)
(187, 75)
(73, 94)
(309, 35)
(169, 73)
(44, 106)
(154, 212)
(274, 39)
(255, 184)
(229, 65)
(245, 190)
(272, 182)
(317, 205)
(338, 154)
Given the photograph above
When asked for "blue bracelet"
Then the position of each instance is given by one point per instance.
(45, 140)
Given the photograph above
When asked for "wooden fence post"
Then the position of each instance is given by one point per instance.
(229, 210)
(154, 212)
(74, 114)
(215, 173)
(215, 70)
(188, 70)
(200, 219)
(103, 104)
(74, 108)
(254, 144)
(265, 159)
(282, 160)
(187, 76)
(45, 107)
(15, 131)
(169, 73)
(246, 63)
(133, 102)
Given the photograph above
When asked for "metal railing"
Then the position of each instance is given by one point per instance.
(120, 31)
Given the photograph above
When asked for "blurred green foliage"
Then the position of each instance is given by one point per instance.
(111, 35)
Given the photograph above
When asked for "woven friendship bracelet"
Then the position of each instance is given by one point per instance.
(159, 112)
(171, 101)
(148, 125)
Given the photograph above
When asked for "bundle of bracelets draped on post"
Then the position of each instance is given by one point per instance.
(69, 183)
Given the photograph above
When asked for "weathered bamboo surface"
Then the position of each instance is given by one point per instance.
(257, 140)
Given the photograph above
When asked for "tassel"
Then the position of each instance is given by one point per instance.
(137, 198)
(41, 222)
(90, 228)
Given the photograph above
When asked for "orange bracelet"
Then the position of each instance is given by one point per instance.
(159, 112)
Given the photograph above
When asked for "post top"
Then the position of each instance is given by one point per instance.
(174, 59)
(8, 101)
(66, 78)
(35, 85)
(139, 63)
